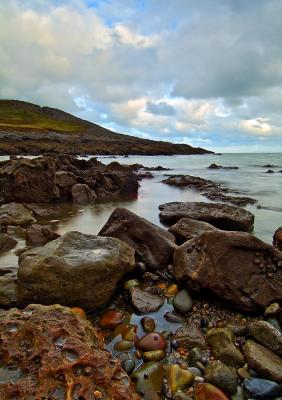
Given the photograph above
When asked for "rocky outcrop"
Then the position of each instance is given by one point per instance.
(153, 245)
(235, 266)
(6, 243)
(49, 352)
(37, 235)
(75, 270)
(221, 216)
(15, 214)
(187, 228)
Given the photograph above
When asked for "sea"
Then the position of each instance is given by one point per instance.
(250, 179)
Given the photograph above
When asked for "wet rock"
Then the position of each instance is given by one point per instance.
(190, 336)
(171, 290)
(151, 341)
(277, 238)
(153, 355)
(8, 287)
(174, 317)
(82, 194)
(269, 171)
(206, 391)
(221, 216)
(222, 342)
(37, 235)
(266, 334)
(272, 309)
(221, 376)
(148, 380)
(235, 266)
(15, 214)
(131, 283)
(182, 301)
(263, 361)
(243, 373)
(75, 270)
(111, 319)
(148, 324)
(128, 366)
(153, 245)
(178, 378)
(56, 354)
(145, 302)
(261, 388)
(187, 228)
(6, 243)
(123, 345)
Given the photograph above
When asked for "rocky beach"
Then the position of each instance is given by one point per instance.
(189, 308)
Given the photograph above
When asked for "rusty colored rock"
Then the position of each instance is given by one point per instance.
(111, 319)
(152, 341)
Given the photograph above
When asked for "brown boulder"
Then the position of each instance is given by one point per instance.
(49, 352)
(187, 228)
(235, 266)
(221, 216)
(153, 245)
(37, 235)
(82, 194)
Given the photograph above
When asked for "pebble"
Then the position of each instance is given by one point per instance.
(266, 334)
(154, 355)
(173, 317)
(131, 283)
(272, 309)
(151, 341)
(261, 388)
(178, 378)
(195, 371)
(140, 268)
(239, 395)
(123, 345)
(79, 311)
(111, 319)
(148, 324)
(129, 333)
(182, 302)
(171, 290)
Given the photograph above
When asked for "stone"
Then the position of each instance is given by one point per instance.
(151, 341)
(153, 245)
(82, 194)
(261, 388)
(263, 361)
(148, 324)
(15, 214)
(65, 179)
(75, 270)
(220, 215)
(131, 283)
(111, 319)
(56, 354)
(174, 317)
(206, 391)
(128, 366)
(190, 336)
(182, 301)
(277, 238)
(6, 242)
(8, 287)
(266, 334)
(123, 345)
(145, 302)
(187, 228)
(221, 376)
(153, 355)
(234, 266)
(148, 380)
(178, 378)
(223, 348)
(172, 290)
(272, 310)
(37, 235)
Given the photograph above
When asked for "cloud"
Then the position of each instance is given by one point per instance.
(161, 108)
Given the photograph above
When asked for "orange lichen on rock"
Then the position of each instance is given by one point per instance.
(49, 352)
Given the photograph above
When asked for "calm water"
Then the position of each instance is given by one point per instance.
(250, 180)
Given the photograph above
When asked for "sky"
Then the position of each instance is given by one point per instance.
(207, 73)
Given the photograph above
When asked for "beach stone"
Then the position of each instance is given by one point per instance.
(8, 287)
(221, 376)
(220, 215)
(263, 361)
(266, 334)
(123, 345)
(153, 355)
(37, 235)
(207, 391)
(111, 319)
(190, 336)
(187, 228)
(153, 245)
(148, 324)
(261, 388)
(6, 242)
(54, 352)
(148, 380)
(174, 317)
(152, 341)
(82, 194)
(182, 301)
(272, 310)
(145, 302)
(75, 270)
(178, 378)
(15, 214)
(128, 365)
(277, 238)
(226, 264)
(223, 348)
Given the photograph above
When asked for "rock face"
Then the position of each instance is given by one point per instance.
(187, 228)
(6, 243)
(15, 214)
(153, 245)
(75, 270)
(221, 216)
(37, 235)
(235, 266)
(56, 354)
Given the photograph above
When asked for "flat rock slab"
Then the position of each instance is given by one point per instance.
(220, 215)
(74, 270)
(145, 302)
(56, 354)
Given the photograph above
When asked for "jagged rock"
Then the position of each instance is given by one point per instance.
(187, 228)
(6, 242)
(82, 194)
(75, 270)
(15, 214)
(8, 287)
(153, 245)
(49, 352)
(37, 235)
(235, 266)
(221, 216)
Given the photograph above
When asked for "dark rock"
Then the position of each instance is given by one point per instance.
(8, 287)
(82, 194)
(153, 245)
(214, 166)
(76, 270)
(148, 324)
(145, 302)
(6, 243)
(235, 266)
(270, 171)
(187, 228)
(277, 238)
(190, 336)
(221, 216)
(37, 235)
(221, 376)
(266, 334)
(49, 352)
(261, 388)
(15, 214)
(151, 341)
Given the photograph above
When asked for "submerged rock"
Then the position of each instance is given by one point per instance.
(49, 352)
(15, 214)
(235, 266)
(74, 270)
(178, 378)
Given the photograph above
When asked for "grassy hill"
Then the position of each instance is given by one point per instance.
(27, 128)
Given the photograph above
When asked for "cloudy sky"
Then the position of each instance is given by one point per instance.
(205, 72)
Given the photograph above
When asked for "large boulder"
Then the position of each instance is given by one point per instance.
(187, 228)
(75, 270)
(48, 352)
(15, 214)
(153, 245)
(221, 216)
(234, 266)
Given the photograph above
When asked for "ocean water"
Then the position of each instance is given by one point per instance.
(249, 180)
